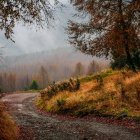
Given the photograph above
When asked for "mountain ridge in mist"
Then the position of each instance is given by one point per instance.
(60, 56)
(56, 54)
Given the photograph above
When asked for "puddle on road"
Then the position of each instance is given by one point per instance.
(18, 106)
(21, 109)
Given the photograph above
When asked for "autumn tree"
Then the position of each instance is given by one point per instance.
(12, 82)
(1, 80)
(34, 85)
(93, 67)
(26, 81)
(26, 11)
(45, 78)
(4, 81)
(111, 27)
(79, 69)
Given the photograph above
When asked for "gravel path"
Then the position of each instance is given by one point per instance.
(36, 126)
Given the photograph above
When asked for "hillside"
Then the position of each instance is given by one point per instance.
(109, 93)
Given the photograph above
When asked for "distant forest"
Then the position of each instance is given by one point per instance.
(20, 72)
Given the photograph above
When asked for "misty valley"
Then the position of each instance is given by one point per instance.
(18, 72)
(69, 69)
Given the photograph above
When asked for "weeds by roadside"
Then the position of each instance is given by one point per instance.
(8, 129)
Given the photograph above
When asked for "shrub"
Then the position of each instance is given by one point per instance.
(34, 85)
(99, 79)
(123, 114)
(77, 87)
(119, 96)
(122, 62)
(71, 85)
(8, 129)
(119, 62)
(60, 102)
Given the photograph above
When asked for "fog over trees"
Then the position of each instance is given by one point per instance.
(99, 34)
(17, 73)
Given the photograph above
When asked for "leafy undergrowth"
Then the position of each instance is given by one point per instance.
(110, 93)
(8, 129)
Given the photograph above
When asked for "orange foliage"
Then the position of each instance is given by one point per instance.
(8, 129)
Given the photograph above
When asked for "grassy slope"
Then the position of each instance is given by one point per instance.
(8, 129)
(117, 95)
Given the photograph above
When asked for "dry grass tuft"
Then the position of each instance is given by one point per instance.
(8, 129)
(118, 95)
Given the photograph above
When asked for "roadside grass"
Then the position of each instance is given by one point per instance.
(110, 93)
(102, 74)
(8, 129)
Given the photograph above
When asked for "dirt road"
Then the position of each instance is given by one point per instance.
(38, 126)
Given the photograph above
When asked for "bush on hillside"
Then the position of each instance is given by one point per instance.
(71, 85)
(122, 62)
(119, 96)
(8, 129)
(34, 85)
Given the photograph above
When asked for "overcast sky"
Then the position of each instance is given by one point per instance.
(28, 39)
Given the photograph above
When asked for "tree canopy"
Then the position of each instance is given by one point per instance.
(26, 11)
(111, 27)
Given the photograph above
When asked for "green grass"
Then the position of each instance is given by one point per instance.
(94, 76)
